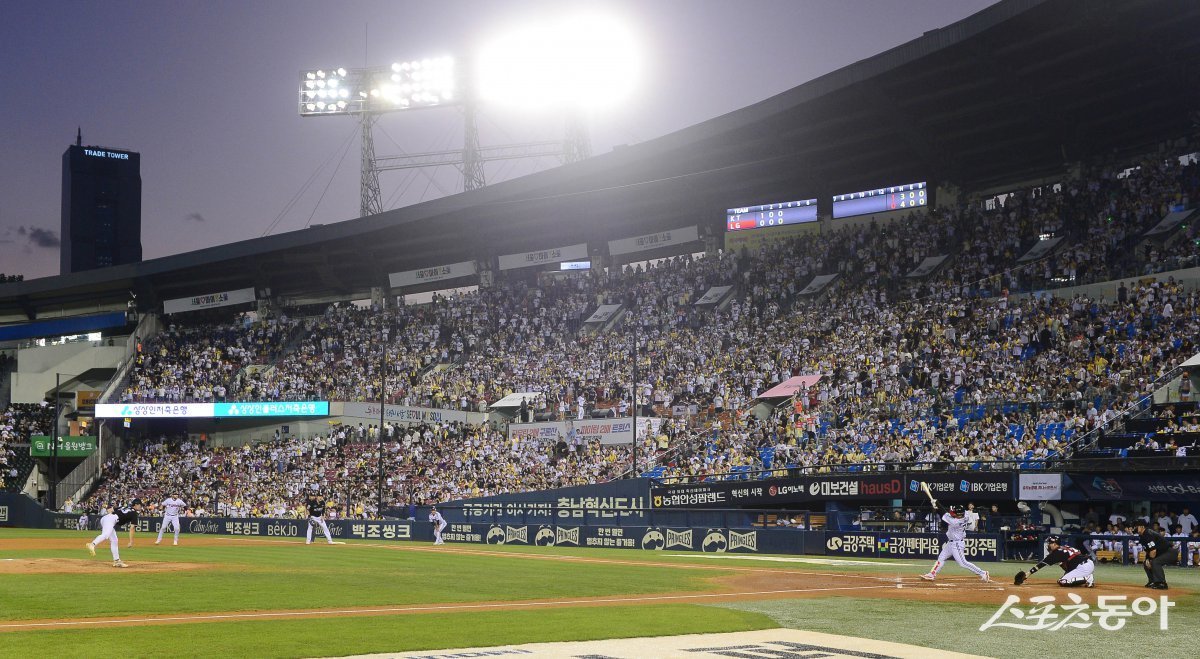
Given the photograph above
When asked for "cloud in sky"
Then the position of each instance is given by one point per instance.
(39, 237)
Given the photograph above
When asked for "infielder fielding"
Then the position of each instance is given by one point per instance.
(171, 507)
(439, 524)
(315, 503)
(956, 535)
(1077, 565)
(108, 530)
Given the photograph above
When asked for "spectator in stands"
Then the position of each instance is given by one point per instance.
(932, 372)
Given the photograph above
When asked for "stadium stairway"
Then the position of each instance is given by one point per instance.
(6, 384)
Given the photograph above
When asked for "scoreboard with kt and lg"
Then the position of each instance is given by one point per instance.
(880, 200)
(771, 215)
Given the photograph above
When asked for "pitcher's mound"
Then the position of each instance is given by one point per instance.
(84, 565)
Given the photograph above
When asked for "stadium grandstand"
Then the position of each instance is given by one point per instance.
(1034, 310)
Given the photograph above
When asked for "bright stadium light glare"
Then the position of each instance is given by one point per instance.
(378, 89)
(587, 61)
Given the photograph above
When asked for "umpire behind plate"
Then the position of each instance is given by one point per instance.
(1077, 565)
(1159, 552)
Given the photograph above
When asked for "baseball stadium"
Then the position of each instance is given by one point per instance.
(897, 363)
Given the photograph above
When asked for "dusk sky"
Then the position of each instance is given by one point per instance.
(206, 92)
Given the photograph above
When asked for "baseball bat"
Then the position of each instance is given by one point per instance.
(925, 489)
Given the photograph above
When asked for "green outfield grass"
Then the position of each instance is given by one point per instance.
(253, 575)
(249, 575)
(343, 636)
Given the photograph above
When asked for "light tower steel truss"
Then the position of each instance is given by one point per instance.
(368, 93)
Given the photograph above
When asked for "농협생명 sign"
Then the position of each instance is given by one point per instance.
(435, 273)
(68, 447)
(543, 256)
(653, 241)
(209, 301)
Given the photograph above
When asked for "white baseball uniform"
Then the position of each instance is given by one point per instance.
(955, 545)
(108, 530)
(439, 524)
(171, 508)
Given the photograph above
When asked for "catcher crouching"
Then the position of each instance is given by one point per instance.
(1077, 565)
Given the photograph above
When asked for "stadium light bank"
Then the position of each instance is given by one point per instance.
(577, 64)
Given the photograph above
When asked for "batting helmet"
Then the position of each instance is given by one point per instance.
(955, 511)
(1053, 539)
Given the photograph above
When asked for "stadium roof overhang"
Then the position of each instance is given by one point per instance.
(1011, 93)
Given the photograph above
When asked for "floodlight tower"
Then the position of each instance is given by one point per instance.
(368, 93)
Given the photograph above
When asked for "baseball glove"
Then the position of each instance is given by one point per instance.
(1020, 578)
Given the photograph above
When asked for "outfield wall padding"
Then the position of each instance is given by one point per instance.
(984, 547)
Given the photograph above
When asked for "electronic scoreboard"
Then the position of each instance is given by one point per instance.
(880, 200)
(771, 215)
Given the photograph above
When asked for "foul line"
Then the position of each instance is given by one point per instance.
(418, 609)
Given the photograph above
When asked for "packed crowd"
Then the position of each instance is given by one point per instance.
(1074, 362)
(17, 423)
(422, 464)
(200, 364)
(949, 369)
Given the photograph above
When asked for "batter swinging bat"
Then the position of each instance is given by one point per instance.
(925, 489)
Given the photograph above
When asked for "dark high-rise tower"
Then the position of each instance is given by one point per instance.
(101, 207)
